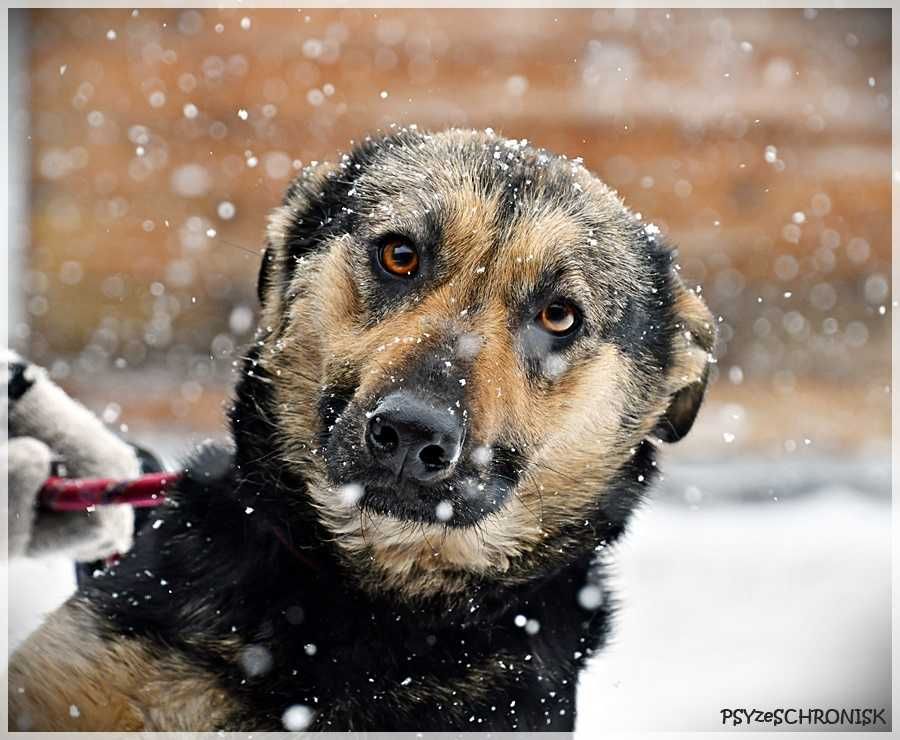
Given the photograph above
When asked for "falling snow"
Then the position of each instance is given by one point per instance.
(156, 156)
(297, 717)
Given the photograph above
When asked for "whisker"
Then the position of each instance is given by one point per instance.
(545, 466)
(538, 519)
(427, 541)
(255, 253)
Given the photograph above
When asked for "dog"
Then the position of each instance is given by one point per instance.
(468, 353)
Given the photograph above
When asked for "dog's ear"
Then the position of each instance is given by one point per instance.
(292, 233)
(693, 342)
(266, 268)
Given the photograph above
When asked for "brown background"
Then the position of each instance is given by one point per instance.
(758, 139)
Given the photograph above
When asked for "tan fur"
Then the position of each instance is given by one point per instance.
(67, 677)
(699, 328)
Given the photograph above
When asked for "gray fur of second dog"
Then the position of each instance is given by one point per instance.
(44, 424)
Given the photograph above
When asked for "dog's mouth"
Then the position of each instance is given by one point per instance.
(480, 485)
(461, 503)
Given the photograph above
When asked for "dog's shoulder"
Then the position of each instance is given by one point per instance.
(75, 674)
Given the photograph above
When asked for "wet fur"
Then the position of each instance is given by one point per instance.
(258, 556)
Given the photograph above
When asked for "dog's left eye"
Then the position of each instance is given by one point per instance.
(399, 258)
(559, 318)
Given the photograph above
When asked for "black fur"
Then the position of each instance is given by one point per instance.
(18, 382)
(210, 573)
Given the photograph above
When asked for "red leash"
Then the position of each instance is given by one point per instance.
(78, 494)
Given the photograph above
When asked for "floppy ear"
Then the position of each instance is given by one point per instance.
(692, 349)
(294, 230)
(266, 268)
(272, 270)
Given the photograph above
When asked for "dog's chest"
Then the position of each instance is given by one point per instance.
(369, 671)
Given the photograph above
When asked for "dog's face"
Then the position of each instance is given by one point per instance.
(466, 339)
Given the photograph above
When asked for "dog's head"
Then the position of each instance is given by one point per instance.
(465, 343)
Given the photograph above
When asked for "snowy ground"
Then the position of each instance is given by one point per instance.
(729, 597)
(766, 605)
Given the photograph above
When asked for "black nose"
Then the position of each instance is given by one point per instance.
(413, 438)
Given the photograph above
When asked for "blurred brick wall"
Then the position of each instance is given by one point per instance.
(758, 139)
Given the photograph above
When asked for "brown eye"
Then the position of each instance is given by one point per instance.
(399, 258)
(560, 317)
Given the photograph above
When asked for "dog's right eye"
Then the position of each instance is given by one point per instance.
(399, 258)
(559, 318)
